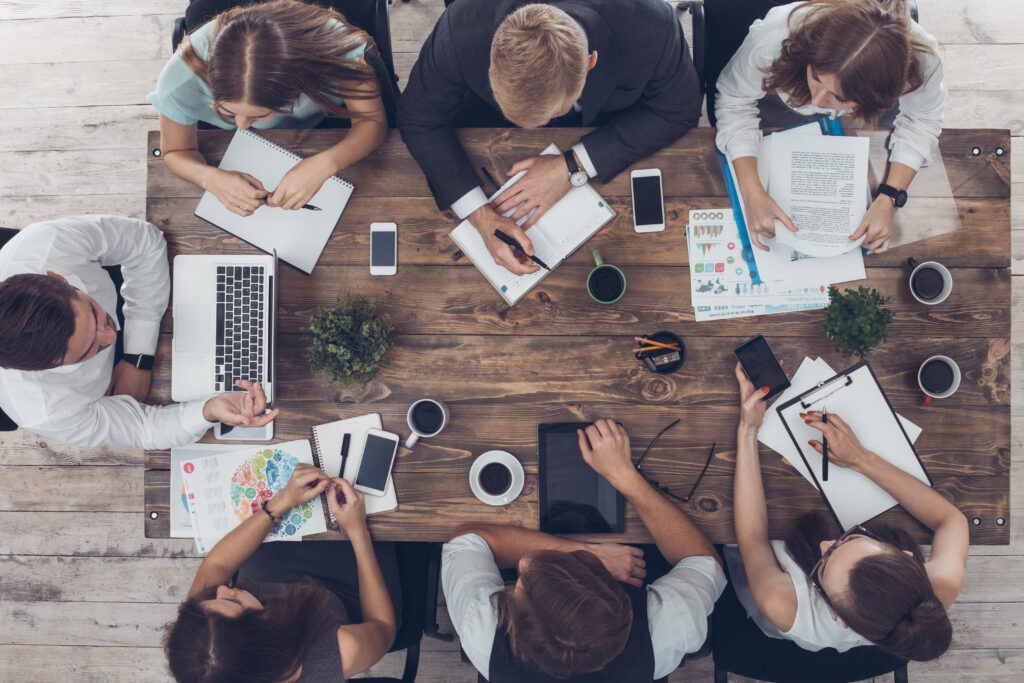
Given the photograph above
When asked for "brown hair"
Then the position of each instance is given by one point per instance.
(889, 599)
(538, 59)
(865, 44)
(269, 54)
(573, 616)
(36, 321)
(258, 646)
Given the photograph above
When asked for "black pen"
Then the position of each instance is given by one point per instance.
(515, 245)
(311, 207)
(344, 453)
(824, 446)
(487, 174)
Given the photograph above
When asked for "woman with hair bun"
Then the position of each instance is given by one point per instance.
(806, 60)
(280, 64)
(821, 589)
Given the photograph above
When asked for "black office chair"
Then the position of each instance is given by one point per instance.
(370, 15)
(740, 647)
(719, 27)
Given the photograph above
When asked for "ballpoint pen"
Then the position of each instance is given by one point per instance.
(311, 207)
(824, 446)
(515, 245)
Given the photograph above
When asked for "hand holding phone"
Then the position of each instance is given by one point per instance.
(761, 366)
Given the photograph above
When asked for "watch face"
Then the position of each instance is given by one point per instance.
(578, 179)
(900, 199)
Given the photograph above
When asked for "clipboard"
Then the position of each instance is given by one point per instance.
(857, 397)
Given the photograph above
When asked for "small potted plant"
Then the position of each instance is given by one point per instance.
(348, 344)
(857, 321)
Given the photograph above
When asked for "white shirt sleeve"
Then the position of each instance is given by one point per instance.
(918, 125)
(739, 90)
(471, 582)
(588, 165)
(678, 605)
(469, 202)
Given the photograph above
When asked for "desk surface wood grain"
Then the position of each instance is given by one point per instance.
(557, 356)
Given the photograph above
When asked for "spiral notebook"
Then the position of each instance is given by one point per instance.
(328, 438)
(298, 236)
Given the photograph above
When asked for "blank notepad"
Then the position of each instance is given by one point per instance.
(298, 236)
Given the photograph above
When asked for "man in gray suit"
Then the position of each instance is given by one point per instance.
(621, 65)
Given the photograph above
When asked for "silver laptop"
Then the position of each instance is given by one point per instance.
(225, 324)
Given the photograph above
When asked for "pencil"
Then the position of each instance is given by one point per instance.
(824, 446)
(651, 342)
(488, 175)
(655, 348)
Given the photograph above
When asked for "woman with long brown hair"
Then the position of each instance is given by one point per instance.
(280, 64)
(806, 60)
(864, 587)
(301, 615)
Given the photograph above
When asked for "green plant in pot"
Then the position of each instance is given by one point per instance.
(857, 321)
(348, 344)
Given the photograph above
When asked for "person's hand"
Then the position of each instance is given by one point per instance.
(605, 447)
(752, 405)
(300, 183)
(761, 214)
(240, 409)
(126, 379)
(546, 181)
(347, 505)
(239, 192)
(844, 448)
(877, 224)
(624, 562)
(486, 221)
(306, 483)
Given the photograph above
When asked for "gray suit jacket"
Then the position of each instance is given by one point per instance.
(643, 92)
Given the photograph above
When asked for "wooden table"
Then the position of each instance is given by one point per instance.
(558, 356)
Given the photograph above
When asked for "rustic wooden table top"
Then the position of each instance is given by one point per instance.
(558, 356)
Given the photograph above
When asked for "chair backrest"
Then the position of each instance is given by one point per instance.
(6, 423)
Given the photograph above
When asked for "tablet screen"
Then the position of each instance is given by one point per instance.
(574, 499)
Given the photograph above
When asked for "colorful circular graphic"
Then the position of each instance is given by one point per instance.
(257, 480)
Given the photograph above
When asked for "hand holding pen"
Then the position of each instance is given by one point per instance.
(844, 448)
(486, 221)
(515, 247)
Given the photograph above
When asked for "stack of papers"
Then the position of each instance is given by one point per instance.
(721, 285)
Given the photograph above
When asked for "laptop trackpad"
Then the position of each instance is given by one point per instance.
(192, 328)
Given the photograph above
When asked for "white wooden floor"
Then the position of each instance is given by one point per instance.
(83, 595)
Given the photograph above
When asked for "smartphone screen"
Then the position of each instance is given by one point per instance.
(382, 248)
(647, 204)
(376, 464)
(761, 365)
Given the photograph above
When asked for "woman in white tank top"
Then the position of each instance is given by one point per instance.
(859, 588)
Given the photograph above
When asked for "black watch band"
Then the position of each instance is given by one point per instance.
(139, 360)
(899, 197)
(570, 162)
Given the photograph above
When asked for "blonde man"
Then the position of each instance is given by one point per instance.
(621, 65)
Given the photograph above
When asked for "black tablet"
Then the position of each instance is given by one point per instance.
(574, 499)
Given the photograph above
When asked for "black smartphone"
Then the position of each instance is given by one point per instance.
(762, 367)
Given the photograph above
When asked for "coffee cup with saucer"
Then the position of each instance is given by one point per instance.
(496, 478)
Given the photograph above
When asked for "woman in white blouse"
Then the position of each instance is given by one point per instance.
(827, 58)
(860, 588)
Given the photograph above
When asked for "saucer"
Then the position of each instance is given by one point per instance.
(509, 461)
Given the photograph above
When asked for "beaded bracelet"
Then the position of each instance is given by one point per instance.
(273, 519)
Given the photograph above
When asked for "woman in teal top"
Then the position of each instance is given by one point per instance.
(281, 64)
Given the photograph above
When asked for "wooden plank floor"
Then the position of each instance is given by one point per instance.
(83, 595)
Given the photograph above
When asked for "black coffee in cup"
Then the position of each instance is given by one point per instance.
(606, 283)
(495, 478)
(427, 417)
(936, 376)
(927, 282)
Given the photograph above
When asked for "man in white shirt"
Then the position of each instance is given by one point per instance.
(569, 613)
(58, 328)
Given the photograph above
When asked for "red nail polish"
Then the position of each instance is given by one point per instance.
(765, 390)
(807, 422)
(811, 442)
(803, 414)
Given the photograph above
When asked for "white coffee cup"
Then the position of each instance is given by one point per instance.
(416, 431)
(947, 280)
(929, 395)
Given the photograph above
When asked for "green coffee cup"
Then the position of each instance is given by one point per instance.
(606, 283)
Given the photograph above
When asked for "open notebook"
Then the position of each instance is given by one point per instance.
(556, 235)
(328, 439)
(298, 236)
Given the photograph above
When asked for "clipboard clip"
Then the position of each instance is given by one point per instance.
(818, 394)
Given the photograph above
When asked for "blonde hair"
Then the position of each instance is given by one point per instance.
(538, 59)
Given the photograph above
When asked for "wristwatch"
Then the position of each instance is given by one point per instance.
(899, 197)
(139, 360)
(577, 176)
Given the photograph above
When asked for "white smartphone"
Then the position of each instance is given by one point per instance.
(383, 249)
(648, 202)
(223, 432)
(375, 466)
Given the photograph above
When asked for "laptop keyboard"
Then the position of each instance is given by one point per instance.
(240, 324)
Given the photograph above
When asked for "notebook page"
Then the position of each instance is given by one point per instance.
(298, 236)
